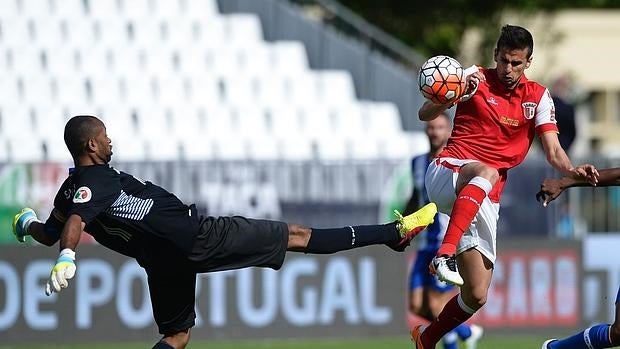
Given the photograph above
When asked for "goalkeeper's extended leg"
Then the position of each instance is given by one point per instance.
(396, 235)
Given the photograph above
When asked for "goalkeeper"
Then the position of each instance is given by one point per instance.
(169, 239)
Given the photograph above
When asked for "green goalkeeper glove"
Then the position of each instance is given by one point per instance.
(62, 272)
(21, 223)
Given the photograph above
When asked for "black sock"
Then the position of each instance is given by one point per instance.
(162, 345)
(323, 241)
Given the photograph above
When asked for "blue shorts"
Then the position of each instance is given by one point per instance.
(421, 277)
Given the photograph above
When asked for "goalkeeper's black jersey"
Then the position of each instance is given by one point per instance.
(128, 215)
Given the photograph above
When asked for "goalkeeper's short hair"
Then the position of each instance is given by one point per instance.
(78, 130)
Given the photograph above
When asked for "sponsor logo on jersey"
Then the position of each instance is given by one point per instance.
(82, 195)
(492, 100)
(529, 109)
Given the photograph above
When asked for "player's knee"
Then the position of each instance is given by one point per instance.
(475, 299)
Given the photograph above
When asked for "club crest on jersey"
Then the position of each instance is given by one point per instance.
(529, 109)
(82, 195)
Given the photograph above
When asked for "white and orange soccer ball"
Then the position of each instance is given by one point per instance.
(441, 79)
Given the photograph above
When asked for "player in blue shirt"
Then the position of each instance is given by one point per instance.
(428, 295)
(596, 336)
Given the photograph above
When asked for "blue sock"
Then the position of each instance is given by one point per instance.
(449, 340)
(597, 336)
(463, 331)
(324, 241)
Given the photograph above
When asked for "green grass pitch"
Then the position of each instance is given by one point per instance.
(488, 342)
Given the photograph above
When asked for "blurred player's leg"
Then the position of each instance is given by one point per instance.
(477, 271)
(450, 341)
(475, 333)
(595, 337)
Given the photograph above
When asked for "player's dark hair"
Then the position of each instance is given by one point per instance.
(513, 37)
(78, 130)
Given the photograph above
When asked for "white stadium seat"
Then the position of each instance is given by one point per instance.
(15, 32)
(200, 9)
(289, 57)
(36, 9)
(243, 29)
(68, 9)
(335, 87)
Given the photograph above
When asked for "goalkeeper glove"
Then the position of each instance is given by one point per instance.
(21, 223)
(62, 272)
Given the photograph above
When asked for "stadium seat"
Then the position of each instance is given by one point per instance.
(294, 147)
(262, 147)
(243, 30)
(129, 62)
(15, 32)
(60, 60)
(25, 61)
(162, 149)
(110, 32)
(330, 148)
(68, 9)
(80, 33)
(204, 91)
(35, 9)
(166, 9)
(105, 90)
(69, 89)
(136, 10)
(47, 32)
(95, 62)
(383, 118)
(38, 89)
(103, 9)
(229, 147)
(128, 149)
(204, 10)
(335, 87)
(11, 91)
(24, 150)
(10, 9)
(289, 57)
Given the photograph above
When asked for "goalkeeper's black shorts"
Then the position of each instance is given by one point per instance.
(223, 243)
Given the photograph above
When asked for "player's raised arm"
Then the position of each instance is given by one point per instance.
(556, 156)
(26, 223)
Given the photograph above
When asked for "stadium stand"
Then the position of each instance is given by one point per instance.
(166, 74)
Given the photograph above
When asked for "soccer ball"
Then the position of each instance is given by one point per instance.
(441, 79)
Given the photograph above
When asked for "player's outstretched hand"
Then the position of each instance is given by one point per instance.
(21, 223)
(587, 173)
(63, 270)
(550, 189)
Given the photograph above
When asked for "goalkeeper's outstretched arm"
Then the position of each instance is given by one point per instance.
(38, 232)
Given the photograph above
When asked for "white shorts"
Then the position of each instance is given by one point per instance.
(440, 180)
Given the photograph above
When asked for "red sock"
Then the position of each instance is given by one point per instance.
(450, 317)
(465, 208)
